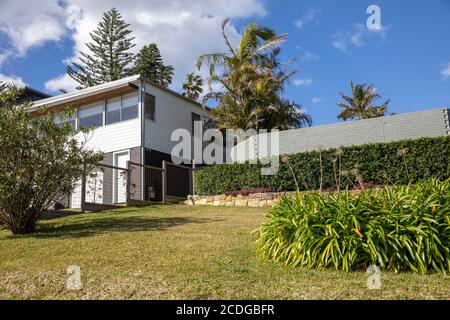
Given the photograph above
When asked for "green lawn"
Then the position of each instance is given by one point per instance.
(176, 252)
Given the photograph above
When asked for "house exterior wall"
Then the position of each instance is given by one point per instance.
(107, 186)
(171, 112)
(429, 123)
(114, 137)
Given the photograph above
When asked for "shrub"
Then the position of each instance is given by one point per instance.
(401, 228)
(39, 162)
(398, 162)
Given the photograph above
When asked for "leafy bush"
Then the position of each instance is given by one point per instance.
(40, 162)
(398, 162)
(401, 228)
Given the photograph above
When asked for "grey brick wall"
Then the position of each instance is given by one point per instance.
(429, 123)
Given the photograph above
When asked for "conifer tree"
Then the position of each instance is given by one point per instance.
(150, 64)
(110, 57)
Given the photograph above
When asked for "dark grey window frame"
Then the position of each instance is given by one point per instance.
(149, 114)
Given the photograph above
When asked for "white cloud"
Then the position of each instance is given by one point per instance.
(446, 71)
(302, 82)
(316, 100)
(357, 37)
(63, 82)
(29, 24)
(3, 56)
(11, 79)
(182, 29)
(306, 18)
(306, 56)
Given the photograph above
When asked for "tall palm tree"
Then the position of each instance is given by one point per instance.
(250, 81)
(360, 104)
(255, 42)
(192, 87)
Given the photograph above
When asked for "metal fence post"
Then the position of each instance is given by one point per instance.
(83, 189)
(164, 184)
(192, 186)
(128, 184)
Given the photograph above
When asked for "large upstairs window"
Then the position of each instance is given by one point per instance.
(130, 107)
(61, 118)
(91, 116)
(113, 112)
(107, 112)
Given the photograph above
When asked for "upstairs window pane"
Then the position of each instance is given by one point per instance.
(129, 107)
(113, 110)
(59, 119)
(91, 116)
(149, 107)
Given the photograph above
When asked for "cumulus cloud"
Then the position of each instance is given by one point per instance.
(316, 100)
(12, 79)
(358, 37)
(183, 30)
(28, 24)
(446, 71)
(302, 82)
(63, 82)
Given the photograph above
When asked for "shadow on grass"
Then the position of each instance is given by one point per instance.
(108, 224)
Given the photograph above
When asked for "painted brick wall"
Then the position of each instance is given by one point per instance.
(429, 123)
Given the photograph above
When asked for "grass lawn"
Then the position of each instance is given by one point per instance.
(176, 252)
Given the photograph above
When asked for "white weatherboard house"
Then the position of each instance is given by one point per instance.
(133, 120)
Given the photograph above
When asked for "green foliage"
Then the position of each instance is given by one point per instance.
(360, 104)
(110, 56)
(39, 162)
(401, 228)
(379, 164)
(150, 65)
(192, 87)
(251, 79)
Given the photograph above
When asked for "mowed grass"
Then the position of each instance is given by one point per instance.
(176, 252)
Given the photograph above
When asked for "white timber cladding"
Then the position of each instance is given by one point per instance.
(120, 134)
(120, 126)
(171, 113)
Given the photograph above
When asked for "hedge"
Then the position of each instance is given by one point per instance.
(399, 162)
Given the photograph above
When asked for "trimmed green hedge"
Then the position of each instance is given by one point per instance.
(378, 164)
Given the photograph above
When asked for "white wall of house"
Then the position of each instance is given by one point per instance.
(114, 137)
(171, 112)
(109, 137)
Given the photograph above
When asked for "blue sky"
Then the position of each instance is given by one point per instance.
(408, 60)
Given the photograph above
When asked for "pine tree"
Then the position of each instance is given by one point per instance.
(150, 64)
(109, 56)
